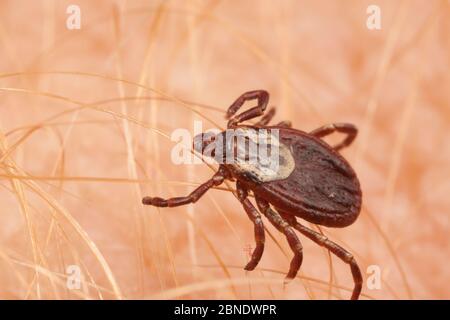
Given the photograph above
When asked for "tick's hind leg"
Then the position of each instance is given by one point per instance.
(263, 99)
(340, 252)
(255, 217)
(216, 180)
(282, 226)
(350, 130)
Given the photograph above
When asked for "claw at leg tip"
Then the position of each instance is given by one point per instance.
(287, 280)
(248, 267)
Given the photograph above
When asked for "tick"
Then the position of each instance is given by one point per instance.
(313, 182)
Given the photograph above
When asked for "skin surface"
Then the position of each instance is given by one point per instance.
(78, 151)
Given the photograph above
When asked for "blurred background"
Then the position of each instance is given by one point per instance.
(86, 117)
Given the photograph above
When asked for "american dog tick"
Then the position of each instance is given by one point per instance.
(314, 182)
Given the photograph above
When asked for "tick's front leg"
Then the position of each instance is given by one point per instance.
(216, 180)
(261, 95)
(266, 118)
(350, 130)
(255, 217)
(285, 124)
(263, 99)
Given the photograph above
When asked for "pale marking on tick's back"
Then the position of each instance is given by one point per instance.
(276, 169)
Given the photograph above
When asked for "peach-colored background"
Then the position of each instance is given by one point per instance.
(85, 123)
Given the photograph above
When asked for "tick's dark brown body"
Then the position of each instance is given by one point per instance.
(322, 189)
(313, 182)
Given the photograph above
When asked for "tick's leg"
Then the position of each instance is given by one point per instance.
(266, 118)
(340, 252)
(285, 124)
(255, 217)
(282, 226)
(263, 99)
(347, 128)
(216, 180)
(261, 95)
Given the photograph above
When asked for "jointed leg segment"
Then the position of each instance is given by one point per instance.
(278, 221)
(266, 118)
(255, 217)
(216, 180)
(285, 124)
(263, 99)
(350, 130)
(340, 252)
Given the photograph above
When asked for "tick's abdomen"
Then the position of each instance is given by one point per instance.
(322, 189)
